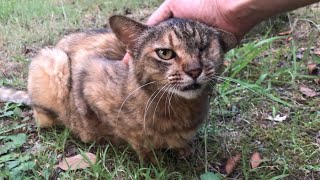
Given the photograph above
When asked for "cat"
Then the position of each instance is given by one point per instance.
(157, 101)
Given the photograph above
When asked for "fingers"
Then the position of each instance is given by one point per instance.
(161, 14)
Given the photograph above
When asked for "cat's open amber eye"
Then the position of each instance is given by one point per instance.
(165, 54)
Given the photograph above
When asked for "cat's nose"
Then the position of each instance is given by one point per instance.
(193, 71)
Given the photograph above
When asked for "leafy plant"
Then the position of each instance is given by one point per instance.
(13, 164)
(11, 110)
(209, 176)
(244, 55)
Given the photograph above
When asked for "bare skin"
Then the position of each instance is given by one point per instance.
(235, 16)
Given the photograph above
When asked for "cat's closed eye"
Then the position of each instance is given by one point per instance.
(165, 54)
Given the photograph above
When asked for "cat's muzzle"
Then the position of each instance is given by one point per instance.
(191, 87)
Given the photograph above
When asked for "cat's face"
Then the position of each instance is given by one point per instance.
(177, 56)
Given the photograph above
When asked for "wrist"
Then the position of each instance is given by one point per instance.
(231, 20)
(238, 15)
(243, 15)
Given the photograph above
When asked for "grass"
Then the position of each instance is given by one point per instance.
(262, 80)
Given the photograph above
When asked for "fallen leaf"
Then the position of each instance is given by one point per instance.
(314, 69)
(278, 118)
(77, 162)
(298, 97)
(299, 55)
(231, 164)
(302, 49)
(255, 160)
(316, 52)
(307, 91)
(285, 32)
(226, 63)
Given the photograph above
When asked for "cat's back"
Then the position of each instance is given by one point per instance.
(80, 64)
(93, 42)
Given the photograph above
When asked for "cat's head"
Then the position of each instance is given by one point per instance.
(178, 55)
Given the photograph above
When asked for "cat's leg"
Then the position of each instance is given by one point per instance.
(185, 152)
(87, 137)
(183, 147)
(44, 118)
(183, 144)
(48, 86)
(145, 154)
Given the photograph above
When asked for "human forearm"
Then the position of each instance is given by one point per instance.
(242, 15)
(235, 16)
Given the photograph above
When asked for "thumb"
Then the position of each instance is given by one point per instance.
(161, 14)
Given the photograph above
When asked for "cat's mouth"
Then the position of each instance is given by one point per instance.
(191, 87)
(190, 91)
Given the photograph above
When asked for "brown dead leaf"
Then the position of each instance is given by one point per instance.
(298, 97)
(314, 69)
(226, 63)
(255, 160)
(231, 164)
(317, 52)
(287, 32)
(277, 118)
(77, 162)
(307, 91)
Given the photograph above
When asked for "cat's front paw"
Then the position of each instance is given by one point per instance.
(148, 157)
(87, 137)
(185, 152)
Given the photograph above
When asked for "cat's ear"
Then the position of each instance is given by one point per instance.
(126, 29)
(229, 40)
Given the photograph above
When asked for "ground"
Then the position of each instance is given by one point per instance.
(259, 104)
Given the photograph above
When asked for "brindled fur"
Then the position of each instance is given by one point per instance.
(151, 103)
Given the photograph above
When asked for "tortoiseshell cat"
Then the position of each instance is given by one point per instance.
(157, 101)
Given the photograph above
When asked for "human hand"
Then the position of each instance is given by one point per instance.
(217, 13)
(234, 16)
(211, 12)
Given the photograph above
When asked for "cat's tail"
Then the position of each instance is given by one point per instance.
(12, 95)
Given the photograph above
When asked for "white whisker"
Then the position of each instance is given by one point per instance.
(150, 103)
(154, 112)
(167, 100)
(170, 107)
(131, 94)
